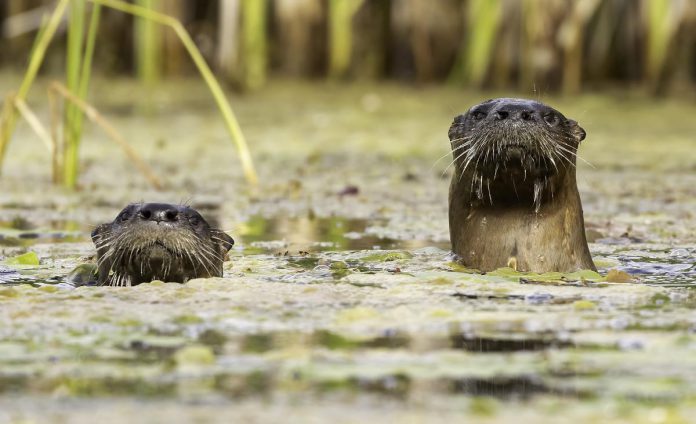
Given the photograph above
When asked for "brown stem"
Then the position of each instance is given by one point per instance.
(93, 115)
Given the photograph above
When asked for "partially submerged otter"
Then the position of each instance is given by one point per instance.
(513, 198)
(158, 241)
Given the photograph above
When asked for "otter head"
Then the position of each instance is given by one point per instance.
(514, 150)
(158, 241)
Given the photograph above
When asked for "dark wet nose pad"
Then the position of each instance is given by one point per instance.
(526, 115)
(156, 212)
(515, 114)
(502, 114)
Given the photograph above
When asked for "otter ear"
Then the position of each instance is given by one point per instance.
(576, 130)
(100, 234)
(454, 128)
(97, 232)
(223, 240)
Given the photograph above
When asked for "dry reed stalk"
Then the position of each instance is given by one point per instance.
(93, 115)
(227, 114)
(54, 114)
(35, 124)
(9, 117)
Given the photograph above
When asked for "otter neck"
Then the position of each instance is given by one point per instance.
(511, 230)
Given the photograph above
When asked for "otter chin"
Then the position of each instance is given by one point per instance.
(158, 241)
(513, 198)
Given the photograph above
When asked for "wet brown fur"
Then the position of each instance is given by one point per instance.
(157, 241)
(513, 197)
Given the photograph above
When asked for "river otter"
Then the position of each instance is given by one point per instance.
(513, 197)
(158, 241)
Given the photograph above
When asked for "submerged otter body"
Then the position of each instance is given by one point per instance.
(158, 241)
(513, 197)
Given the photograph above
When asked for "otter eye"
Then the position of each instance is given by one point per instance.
(478, 115)
(551, 119)
(460, 119)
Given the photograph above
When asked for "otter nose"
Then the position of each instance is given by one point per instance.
(158, 212)
(515, 113)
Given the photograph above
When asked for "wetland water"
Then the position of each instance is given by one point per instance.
(339, 300)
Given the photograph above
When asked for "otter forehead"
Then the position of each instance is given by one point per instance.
(159, 213)
(510, 114)
(137, 207)
(513, 102)
(511, 109)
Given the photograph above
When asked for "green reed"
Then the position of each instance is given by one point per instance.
(8, 119)
(148, 43)
(254, 42)
(341, 14)
(78, 72)
(483, 20)
(73, 67)
(662, 20)
(571, 36)
(228, 116)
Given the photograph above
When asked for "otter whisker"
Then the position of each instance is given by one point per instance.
(514, 188)
(538, 187)
(207, 264)
(451, 152)
(207, 253)
(471, 154)
(191, 261)
(574, 154)
(453, 162)
(490, 195)
(112, 255)
(203, 259)
(465, 137)
(564, 156)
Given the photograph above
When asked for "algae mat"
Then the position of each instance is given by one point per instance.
(339, 301)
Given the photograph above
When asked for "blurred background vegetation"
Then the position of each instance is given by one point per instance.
(533, 47)
(546, 45)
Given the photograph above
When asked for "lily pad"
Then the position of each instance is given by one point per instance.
(29, 259)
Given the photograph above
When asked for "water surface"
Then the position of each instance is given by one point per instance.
(340, 300)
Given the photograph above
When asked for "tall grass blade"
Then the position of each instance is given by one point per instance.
(74, 123)
(73, 66)
(662, 20)
(36, 125)
(148, 46)
(8, 118)
(341, 35)
(227, 38)
(483, 20)
(254, 42)
(228, 115)
(39, 34)
(571, 36)
(54, 116)
(93, 115)
(90, 43)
